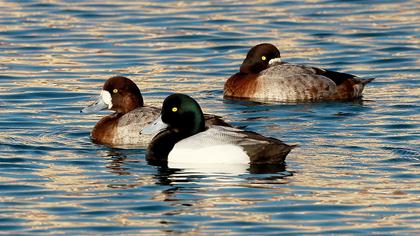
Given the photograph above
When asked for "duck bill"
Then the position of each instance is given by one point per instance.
(154, 127)
(103, 102)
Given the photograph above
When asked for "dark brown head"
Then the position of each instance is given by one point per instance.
(258, 58)
(125, 94)
(119, 94)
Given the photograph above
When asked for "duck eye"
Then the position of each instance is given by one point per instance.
(174, 109)
(263, 58)
(115, 91)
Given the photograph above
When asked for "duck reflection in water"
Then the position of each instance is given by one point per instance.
(121, 163)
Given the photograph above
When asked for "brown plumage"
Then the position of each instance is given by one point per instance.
(263, 76)
(240, 86)
(130, 116)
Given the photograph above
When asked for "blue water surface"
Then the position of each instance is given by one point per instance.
(356, 170)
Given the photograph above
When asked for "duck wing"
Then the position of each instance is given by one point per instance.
(215, 120)
(139, 117)
(260, 149)
(132, 122)
(265, 150)
(337, 77)
(291, 82)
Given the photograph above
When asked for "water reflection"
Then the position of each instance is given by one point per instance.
(184, 192)
(120, 164)
(117, 163)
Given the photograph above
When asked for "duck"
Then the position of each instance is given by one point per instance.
(183, 138)
(263, 76)
(121, 95)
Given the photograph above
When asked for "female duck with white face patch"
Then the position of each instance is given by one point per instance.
(184, 138)
(122, 95)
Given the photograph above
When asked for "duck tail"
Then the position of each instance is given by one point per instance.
(366, 81)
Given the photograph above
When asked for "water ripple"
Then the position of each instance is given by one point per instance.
(354, 172)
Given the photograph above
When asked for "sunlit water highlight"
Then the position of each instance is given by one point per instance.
(356, 170)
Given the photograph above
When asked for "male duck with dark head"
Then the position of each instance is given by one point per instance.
(264, 77)
(122, 95)
(185, 138)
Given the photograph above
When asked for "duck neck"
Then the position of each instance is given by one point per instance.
(194, 124)
(131, 102)
(252, 67)
(163, 143)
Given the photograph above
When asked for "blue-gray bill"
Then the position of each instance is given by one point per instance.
(98, 105)
(154, 127)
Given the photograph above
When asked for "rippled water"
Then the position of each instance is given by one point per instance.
(356, 170)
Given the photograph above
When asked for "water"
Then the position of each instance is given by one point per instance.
(356, 170)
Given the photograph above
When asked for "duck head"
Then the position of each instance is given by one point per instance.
(259, 58)
(119, 94)
(180, 114)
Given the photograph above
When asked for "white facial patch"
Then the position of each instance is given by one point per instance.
(106, 97)
(274, 60)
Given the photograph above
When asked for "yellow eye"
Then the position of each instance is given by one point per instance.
(115, 91)
(263, 58)
(174, 109)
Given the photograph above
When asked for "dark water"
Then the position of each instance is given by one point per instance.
(356, 170)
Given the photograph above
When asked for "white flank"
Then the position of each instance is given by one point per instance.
(225, 158)
(106, 97)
